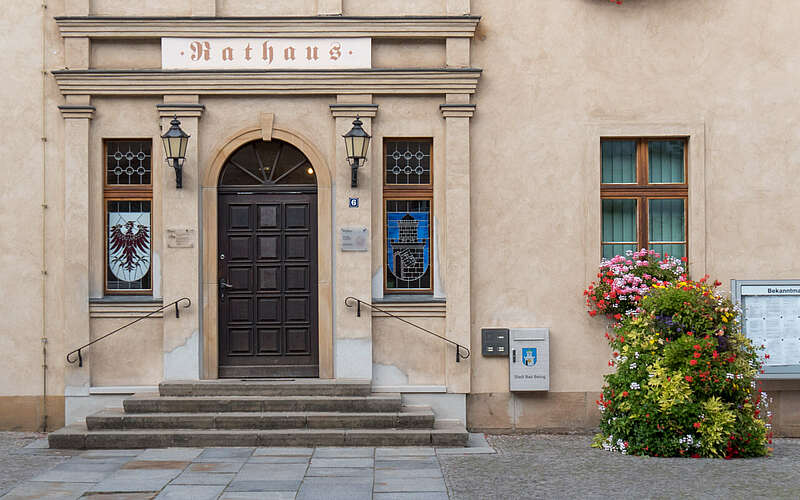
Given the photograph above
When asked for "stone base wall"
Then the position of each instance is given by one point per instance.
(24, 413)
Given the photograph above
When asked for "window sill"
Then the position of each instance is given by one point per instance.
(409, 298)
(410, 306)
(130, 306)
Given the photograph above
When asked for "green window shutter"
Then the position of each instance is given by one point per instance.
(619, 162)
(667, 227)
(666, 161)
(619, 227)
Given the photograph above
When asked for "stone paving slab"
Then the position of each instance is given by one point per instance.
(241, 473)
(179, 492)
(283, 452)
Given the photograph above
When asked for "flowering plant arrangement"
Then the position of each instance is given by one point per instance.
(685, 379)
(624, 280)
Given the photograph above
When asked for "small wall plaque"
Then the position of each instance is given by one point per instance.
(353, 202)
(180, 238)
(354, 239)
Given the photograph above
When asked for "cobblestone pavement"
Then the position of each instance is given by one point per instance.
(547, 466)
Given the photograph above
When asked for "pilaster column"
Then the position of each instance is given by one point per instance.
(457, 253)
(352, 342)
(181, 252)
(77, 113)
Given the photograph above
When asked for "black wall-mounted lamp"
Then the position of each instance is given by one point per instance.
(175, 142)
(356, 143)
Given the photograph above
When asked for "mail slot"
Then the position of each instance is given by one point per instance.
(529, 363)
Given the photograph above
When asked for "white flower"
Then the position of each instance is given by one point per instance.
(633, 366)
(729, 376)
(636, 354)
(635, 386)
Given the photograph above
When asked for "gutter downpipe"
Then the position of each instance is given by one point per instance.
(44, 217)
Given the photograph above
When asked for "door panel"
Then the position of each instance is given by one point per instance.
(268, 256)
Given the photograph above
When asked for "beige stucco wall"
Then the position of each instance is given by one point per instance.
(556, 76)
(726, 66)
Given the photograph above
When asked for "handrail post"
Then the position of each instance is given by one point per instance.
(458, 353)
(358, 309)
(80, 359)
(177, 311)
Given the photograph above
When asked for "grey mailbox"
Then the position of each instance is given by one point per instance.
(529, 364)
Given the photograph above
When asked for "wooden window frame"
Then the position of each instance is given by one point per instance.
(410, 192)
(643, 191)
(126, 192)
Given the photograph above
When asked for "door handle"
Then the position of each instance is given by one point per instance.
(222, 287)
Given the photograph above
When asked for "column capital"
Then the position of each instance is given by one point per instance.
(352, 110)
(77, 111)
(189, 110)
(457, 110)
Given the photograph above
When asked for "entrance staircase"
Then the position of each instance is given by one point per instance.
(300, 412)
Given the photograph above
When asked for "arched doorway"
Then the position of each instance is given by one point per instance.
(267, 263)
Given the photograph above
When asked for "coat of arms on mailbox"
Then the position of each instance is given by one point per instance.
(529, 356)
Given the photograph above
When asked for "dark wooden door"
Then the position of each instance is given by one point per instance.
(268, 260)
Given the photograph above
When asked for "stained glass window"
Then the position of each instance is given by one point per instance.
(128, 247)
(407, 161)
(408, 244)
(128, 162)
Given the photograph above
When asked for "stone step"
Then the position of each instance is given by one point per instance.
(77, 436)
(270, 387)
(152, 403)
(407, 418)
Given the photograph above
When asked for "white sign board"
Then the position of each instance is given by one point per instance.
(354, 239)
(266, 53)
(771, 317)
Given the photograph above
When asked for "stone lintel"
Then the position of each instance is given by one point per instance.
(180, 110)
(77, 111)
(353, 110)
(457, 110)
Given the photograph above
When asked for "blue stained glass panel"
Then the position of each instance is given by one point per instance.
(408, 244)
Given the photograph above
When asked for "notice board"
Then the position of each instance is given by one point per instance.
(770, 315)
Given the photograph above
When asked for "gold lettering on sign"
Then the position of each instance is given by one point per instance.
(336, 51)
(267, 52)
(312, 53)
(247, 52)
(200, 50)
(227, 54)
(288, 53)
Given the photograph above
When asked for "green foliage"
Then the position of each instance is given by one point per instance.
(685, 379)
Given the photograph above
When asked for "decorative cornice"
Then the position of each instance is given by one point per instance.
(180, 110)
(77, 111)
(352, 110)
(457, 110)
(286, 27)
(288, 82)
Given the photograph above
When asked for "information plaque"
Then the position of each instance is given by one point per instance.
(771, 317)
(354, 239)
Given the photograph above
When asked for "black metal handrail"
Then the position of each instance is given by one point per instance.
(177, 315)
(348, 303)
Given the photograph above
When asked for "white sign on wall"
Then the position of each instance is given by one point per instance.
(266, 53)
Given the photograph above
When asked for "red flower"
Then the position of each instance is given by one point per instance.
(690, 334)
(766, 356)
(618, 316)
(715, 355)
(696, 347)
(688, 378)
(697, 425)
(693, 362)
(624, 394)
(593, 313)
(697, 355)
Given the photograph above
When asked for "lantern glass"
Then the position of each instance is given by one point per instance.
(356, 142)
